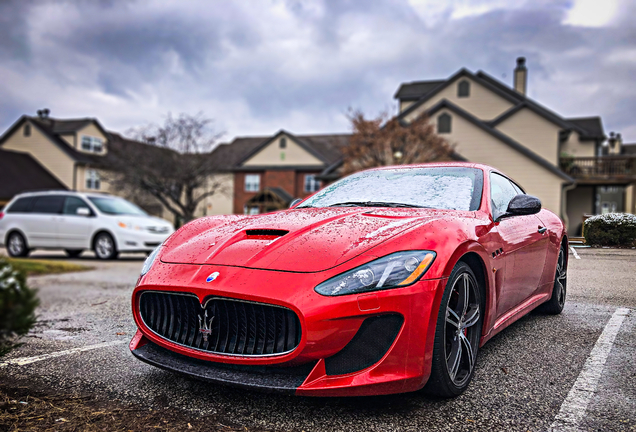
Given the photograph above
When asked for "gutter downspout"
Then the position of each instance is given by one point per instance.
(564, 197)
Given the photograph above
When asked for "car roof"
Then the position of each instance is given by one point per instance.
(63, 192)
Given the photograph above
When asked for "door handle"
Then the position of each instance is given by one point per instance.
(542, 229)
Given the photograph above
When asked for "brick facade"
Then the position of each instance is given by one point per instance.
(292, 182)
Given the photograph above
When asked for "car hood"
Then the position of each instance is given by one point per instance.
(299, 240)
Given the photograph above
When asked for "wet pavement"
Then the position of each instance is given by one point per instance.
(522, 379)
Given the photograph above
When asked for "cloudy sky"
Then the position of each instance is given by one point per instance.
(258, 66)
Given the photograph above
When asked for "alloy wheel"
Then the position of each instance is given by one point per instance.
(560, 279)
(461, 329)
(16, 245)
(104, 247)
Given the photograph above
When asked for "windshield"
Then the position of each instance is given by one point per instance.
(454, 188)
(116, 206)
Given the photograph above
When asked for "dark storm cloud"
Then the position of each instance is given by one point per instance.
(261, 66)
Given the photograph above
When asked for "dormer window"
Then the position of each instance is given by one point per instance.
(463, 89)
(282, 143)
(444, 123)
(92, 144)
(27, 130)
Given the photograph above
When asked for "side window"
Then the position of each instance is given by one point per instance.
(501, 192)
(49, 204)
(517, 188)
(71, 204)
(21, 205)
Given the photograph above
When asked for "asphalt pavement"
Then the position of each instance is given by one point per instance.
(526, 377)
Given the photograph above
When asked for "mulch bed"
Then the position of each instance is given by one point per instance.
(23, 409)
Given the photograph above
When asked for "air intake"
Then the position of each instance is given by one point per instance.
(265, 234)
(368, 346)
(224, 326)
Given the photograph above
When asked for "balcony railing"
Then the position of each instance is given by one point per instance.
(610, 168)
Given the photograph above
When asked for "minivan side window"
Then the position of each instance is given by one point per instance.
(71, 204)
(21, 205)
(48, 204)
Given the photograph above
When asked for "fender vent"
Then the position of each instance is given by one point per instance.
(373, 339)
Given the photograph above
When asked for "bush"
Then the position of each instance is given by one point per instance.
(611, 229)
(17, 307)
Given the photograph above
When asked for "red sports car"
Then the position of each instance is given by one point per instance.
(386, 281)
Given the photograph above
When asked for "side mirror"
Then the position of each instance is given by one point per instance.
(294, 202)
(83, 211)
(523, 205)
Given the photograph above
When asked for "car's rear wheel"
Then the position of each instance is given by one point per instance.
(104, 247)
(17, 245)
(73, 253)
(555, 305)
(457, 334)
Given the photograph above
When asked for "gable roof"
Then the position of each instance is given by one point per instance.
(500, 136)
(13, 165)
(416, 89)
(326, 147)
(589, 128)
(49, 127)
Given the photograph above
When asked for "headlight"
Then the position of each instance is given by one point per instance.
(150, 260)
(392, 271)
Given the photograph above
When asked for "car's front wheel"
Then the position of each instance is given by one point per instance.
(104, 247)
(457, 334)
(555, 305)
(17, 245)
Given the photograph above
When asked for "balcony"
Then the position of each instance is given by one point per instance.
(600, 169)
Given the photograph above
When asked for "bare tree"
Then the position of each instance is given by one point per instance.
(171, 162)
(382, 141)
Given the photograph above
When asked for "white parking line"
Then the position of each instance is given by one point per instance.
(27, 360)
(575, 404)
(574, 252)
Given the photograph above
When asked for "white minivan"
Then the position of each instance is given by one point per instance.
(76, 222)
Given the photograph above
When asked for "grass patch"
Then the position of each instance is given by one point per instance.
(36, 267)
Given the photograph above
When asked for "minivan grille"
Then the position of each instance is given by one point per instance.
(224, 326)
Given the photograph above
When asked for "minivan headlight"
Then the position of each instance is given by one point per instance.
(392, 271)
(150, 260)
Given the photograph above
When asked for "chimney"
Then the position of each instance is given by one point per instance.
(521, 76)
(44, 113)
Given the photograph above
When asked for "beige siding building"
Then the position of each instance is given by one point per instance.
(567, 163)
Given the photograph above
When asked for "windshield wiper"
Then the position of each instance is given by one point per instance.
(375, 204)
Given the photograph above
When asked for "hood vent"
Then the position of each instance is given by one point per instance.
(265, 234)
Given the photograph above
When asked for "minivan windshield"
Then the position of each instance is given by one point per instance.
(453, 188)
(116, 206)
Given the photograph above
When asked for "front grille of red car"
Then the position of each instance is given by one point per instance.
(221, 326)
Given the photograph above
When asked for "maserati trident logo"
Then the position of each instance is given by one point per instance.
(205, 326)
(212, 277)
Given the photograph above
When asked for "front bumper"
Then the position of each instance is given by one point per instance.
(329, 328)
(129, 240)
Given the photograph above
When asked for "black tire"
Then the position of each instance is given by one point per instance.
(104, 247)
(555, 305)
(73, 253)
(457, 334)
(17, 246)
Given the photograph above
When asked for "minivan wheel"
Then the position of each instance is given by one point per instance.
(73, 253)
(16, 245)
(104, 247)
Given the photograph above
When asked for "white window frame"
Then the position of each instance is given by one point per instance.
(252, 182)
(311, 184)
(94, 144)
(92, 179)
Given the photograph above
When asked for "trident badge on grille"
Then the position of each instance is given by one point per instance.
(205, 326)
